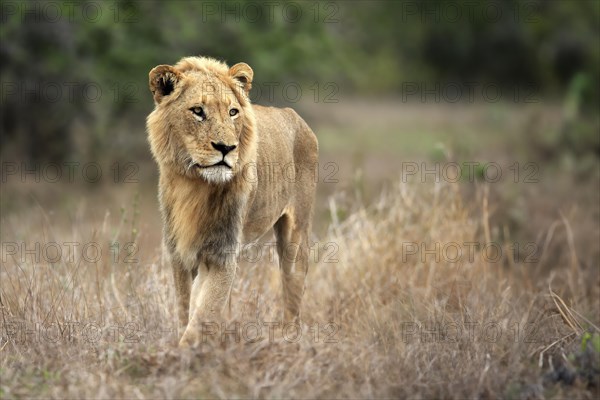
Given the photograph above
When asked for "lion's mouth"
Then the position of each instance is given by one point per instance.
(220, 163)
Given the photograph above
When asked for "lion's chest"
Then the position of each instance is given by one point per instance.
(202, 226)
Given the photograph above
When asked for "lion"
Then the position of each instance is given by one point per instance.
(229, 171)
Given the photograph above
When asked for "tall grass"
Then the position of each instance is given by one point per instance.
(379, 319)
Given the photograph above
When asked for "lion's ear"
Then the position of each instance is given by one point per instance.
(242, 73)
(162, 80)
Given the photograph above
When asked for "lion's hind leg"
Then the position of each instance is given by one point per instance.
(292, 248)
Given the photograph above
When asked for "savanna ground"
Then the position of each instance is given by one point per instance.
(390, 309)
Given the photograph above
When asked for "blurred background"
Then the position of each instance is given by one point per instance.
(440, 123)
(384, 84)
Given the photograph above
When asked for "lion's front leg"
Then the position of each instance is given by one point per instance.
(183, 283)
(209, 301)
(198, 278)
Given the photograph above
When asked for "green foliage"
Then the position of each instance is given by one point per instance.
(592, 340)
(363, 47)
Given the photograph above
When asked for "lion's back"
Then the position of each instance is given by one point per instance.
(282, 132)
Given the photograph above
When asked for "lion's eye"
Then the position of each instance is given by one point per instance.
(198, 111)
(233, 112)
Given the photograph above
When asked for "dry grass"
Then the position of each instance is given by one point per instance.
(389, 325)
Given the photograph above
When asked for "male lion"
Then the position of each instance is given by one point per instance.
(229, 171)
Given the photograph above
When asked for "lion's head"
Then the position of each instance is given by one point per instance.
(202, 126)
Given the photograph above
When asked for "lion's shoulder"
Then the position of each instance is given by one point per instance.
(283, 133)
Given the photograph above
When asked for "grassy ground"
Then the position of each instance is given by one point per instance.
(418, 289)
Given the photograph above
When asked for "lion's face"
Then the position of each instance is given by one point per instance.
(198, 123)
(206, 126)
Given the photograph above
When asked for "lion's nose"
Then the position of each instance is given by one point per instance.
(222, 147)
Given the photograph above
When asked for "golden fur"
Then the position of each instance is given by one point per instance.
(265, 178)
